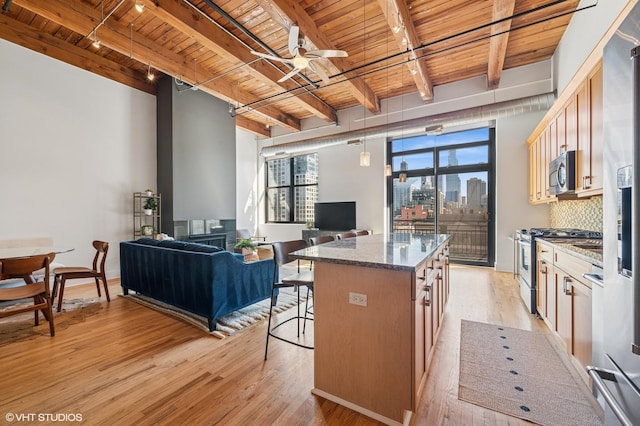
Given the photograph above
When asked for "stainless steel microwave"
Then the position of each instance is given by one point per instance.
(562, 173)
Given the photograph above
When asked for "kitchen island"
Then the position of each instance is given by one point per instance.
(378, 306)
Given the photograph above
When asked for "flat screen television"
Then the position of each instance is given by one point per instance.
(338, 216)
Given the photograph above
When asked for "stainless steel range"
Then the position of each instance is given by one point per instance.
(525, 256)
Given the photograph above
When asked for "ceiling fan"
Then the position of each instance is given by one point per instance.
(303, 58)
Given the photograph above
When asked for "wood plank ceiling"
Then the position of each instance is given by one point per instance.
(395, 47)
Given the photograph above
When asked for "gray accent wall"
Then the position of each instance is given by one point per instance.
(196, 156)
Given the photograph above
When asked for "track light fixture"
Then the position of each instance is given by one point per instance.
(150, 75)
(96, 42)
(139, 6)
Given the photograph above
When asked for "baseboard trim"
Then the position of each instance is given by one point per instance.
(362, 410)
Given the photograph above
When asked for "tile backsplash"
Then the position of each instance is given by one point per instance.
(583, 214)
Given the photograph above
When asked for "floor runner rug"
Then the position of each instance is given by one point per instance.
(520, 373)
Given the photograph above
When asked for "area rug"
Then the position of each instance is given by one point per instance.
(229, 324)
(520, 373)
(21, 327)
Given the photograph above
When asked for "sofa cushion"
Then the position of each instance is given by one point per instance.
(184, 245)
(203, 248)
(147, 241)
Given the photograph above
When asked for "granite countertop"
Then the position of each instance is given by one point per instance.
(390, 251)
(568, 246)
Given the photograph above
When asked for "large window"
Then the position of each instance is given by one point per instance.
(292, 188)
(444, 184)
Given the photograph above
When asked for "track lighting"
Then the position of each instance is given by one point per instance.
(139, 6)
(150, 75)
(96, 42)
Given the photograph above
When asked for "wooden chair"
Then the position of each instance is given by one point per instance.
(345, 235)
(300, 279)
(321, 239)
(24, 267)
(97, 272)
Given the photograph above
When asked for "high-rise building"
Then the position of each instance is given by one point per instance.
(476, 193)
(452, 190)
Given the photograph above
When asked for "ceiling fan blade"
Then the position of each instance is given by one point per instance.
(273, 58)
(326, 54)
(319, 72)
(291, 74)
(294, 34)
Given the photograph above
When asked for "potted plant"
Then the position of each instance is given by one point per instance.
(149, 192)
(245, 246)
(150, 205)
(147, 230)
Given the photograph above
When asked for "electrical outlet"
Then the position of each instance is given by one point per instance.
(358, 299)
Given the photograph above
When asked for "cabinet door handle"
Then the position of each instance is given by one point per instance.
(424, 276)
(566, 286)
(427, 299)
(543, 271)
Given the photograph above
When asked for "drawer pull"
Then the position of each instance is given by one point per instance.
(566, 287)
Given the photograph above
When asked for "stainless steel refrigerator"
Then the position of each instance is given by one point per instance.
(616, 307)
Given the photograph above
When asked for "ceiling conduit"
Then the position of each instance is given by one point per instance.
(418, 125)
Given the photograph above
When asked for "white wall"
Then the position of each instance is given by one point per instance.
(248, 213)
(74, 146)
(581, 36)
(513, 210)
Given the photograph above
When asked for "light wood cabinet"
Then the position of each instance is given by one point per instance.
(576, 125)
(545, 284)
(564, 302)
(432, 294)
(376, 357)
(589, 179)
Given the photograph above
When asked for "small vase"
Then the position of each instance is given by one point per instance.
(149, 193)
(148, 212)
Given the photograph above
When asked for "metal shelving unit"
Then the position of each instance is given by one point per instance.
(142, 219)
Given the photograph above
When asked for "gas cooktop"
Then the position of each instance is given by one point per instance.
(564, 233)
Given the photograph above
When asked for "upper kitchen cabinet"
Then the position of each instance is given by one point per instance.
(589, 160)
(573, 124)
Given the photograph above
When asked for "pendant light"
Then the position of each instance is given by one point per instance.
(365, 156)
(403, 165)
(388, 172)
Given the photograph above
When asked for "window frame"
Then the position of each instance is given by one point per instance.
(292, 186)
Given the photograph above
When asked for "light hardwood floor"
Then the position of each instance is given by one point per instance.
(128, 365)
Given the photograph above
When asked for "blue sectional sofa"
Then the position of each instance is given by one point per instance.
(201, 279)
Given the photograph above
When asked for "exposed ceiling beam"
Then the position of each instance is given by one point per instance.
(252, 126)
(26, 36)
(499, 40)
(82, 19)
(296, 13)
(404, 32)
(187, 20)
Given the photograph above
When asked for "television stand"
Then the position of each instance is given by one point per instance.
(310, 233)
